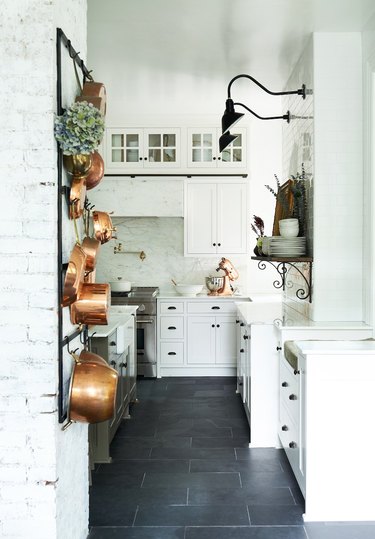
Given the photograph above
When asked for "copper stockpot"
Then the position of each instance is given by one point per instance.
(77, 196)
(92, 304)
(103, 227)
(96, 172)
(91, 247)
(74, 275)
(92, 392)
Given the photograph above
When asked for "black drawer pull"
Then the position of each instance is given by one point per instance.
(246, 337)
(293, 397)
(215, 308)
(278, 348)
(112, 343)
(242, 350)
(172, 307)
(292, 445)
(123, 365)
(113, 363)
(296, 371)
(284, 384)
(284, 428)
(171, 353)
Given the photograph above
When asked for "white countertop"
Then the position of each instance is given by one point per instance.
(336, 347)
(306, 323)
(260, 313)
(174, 295)
(118, 315)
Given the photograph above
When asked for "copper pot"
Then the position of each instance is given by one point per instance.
(92, 304)
(74, 275)
(103, 227)
(91, 247)
(96, 172)
(92, 392)
(85, 355)
(95, 93)
(77, 196)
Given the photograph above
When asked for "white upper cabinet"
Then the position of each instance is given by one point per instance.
(215, 217)
(203, 149)
(180, 150)
(141, 150)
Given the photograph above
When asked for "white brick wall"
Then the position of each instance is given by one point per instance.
(39, 462)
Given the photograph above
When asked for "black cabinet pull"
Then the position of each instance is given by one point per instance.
(172, 327)
(242, 324)
(112, 343)
(284, 384)
(113, 363)
(292, 445)
(123, 365)
(293, 397)
(219, 244)
(242, 350)
(296, 371)
(237, 321)
(140, 158)
(245, 337)
(217, 325)
(171, 353)
(214, 244)
(215, 308)
(212, 325)
(172, 307)
(278, 348)
(284, 428)
(219, 158)
(214, 158)
(145, 158)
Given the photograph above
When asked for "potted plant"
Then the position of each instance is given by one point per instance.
(79, 132)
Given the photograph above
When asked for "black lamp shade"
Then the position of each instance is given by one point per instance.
(230, 116)
(225, 140)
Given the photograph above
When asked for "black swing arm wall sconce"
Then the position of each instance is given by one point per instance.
(231, 117)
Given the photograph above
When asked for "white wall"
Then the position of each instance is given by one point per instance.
(37, 499)
(144, 89)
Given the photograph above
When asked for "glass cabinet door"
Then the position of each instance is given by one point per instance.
(202, 147)
(161, 147)
(234, 154)
(123, 147)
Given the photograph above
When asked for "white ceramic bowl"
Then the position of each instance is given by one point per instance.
(120, 286)
(189, 290)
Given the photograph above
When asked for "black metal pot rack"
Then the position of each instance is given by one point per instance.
(62, 197)
(281, 266)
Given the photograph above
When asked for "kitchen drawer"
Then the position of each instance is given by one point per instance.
(172, 307)
(171, 327)
(211, 307)
(289, 391)
(289, 436)
(172, 353)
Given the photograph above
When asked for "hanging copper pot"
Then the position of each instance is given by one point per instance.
(85, 355)
(103, 227)
(74, 275)
(95, 93)
(77, 165)
(91, 247)
(96, 172)
(77, 197)
(92, 304)
(92, 392)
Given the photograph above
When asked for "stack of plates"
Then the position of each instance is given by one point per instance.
(292, 247)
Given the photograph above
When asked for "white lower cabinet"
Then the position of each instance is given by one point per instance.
(199, 340)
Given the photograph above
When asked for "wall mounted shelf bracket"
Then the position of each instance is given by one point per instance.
(282, 266)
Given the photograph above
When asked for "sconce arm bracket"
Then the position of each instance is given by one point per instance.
(300, 91)
(283, 117)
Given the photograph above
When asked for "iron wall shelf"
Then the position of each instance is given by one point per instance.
(282, 265)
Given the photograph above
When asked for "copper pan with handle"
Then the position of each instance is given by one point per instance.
(91, 247)
(74, 275)
(92, 304)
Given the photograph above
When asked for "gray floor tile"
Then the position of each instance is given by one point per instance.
(225, 465)
(118, 515)
(275, 515)
(227, 453)
(252, 532)
(248, 496)
(133, 479)
(120, 452)
(137, 533)
(169, 515)
(201, 432)
(198, 441)
(343, 530)
(144, 466)
(207, 480)
(274, 479)
(151, 441)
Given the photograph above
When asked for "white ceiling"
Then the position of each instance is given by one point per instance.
(227, 37)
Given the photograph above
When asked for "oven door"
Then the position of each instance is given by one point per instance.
(146, 345)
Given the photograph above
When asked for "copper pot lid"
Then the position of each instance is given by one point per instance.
(74, 275)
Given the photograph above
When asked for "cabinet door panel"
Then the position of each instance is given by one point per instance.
(231, 218)
(202, 148)
(200, 224)
(123, 147)
(201, 340)
(225, 327)
(162, 147)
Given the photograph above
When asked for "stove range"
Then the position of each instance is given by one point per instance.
(145, 298)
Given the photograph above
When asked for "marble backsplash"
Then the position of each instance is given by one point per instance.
(162, 240)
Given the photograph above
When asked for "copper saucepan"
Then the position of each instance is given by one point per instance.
(96, 172)
(77, 196)
(74, 275)
(92, 392)
(92, 305)
(103, 227)
(91, 247)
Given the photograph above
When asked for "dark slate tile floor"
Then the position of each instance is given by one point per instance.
(182, 469)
